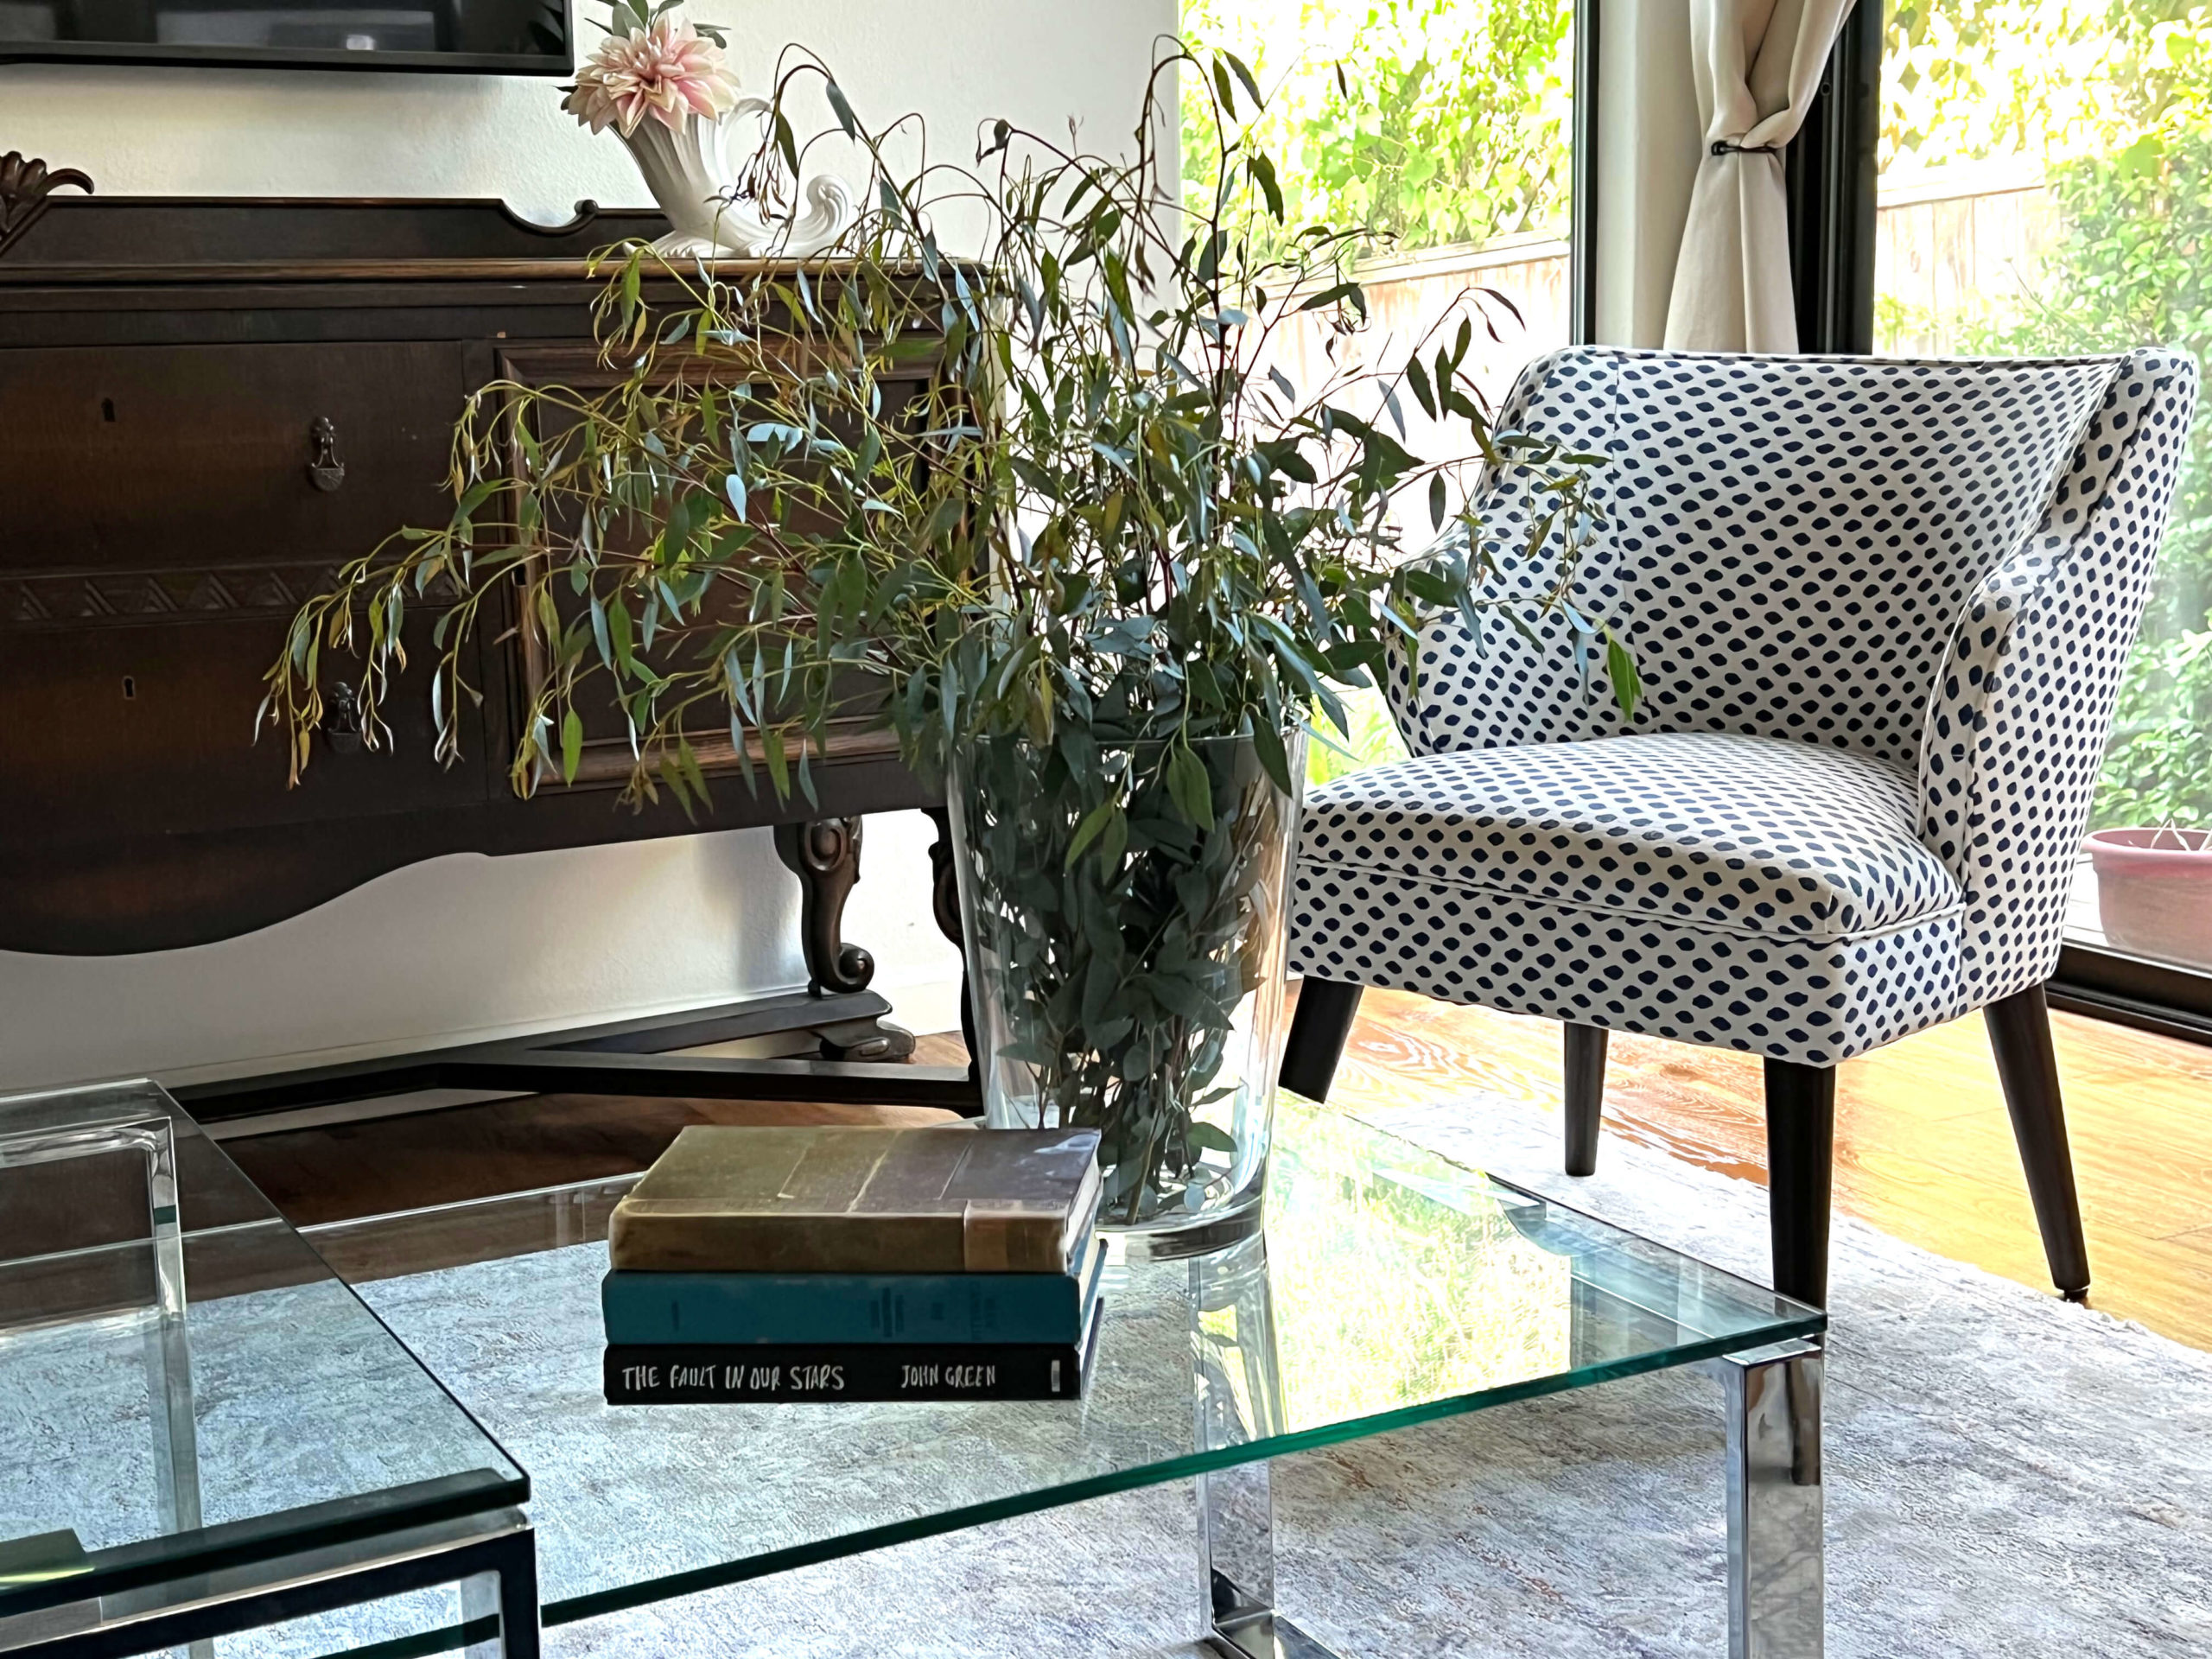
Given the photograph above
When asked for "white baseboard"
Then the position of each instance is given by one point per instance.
(924, 1005)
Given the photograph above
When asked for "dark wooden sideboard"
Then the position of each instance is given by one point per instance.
(205, 406)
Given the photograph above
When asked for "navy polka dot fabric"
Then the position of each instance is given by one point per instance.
(1882, 609)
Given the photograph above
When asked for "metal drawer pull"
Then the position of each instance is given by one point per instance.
(343, 723)
(325, 469)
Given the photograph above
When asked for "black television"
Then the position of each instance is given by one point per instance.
(512, 37)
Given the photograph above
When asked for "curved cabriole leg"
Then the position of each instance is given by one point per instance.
(1799, 1161)
(2019, 1032)
(1585, 1096)
(825, 855)
(944, 906)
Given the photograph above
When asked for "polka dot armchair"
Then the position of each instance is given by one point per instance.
(1881, 609)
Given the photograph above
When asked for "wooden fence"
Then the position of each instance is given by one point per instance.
(1952, 247)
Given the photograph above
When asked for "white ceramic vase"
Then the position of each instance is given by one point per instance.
(690, 176)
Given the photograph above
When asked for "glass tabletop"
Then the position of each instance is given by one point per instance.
(1389, 1286)
(184, 1383)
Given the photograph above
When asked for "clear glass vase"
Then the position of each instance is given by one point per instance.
(1126, 964)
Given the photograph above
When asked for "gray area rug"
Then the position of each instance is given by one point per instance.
(2007, 1476)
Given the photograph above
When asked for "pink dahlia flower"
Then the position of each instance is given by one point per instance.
(665, 70)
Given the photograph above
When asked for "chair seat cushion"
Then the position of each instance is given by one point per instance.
(1753, 836)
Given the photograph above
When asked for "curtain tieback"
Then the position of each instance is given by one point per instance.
(1722, 147)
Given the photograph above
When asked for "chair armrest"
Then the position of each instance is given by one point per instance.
(2017, 723)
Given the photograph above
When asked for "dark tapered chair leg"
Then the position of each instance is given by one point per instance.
(1800, 1171)
(2019, 1031)
(1585, 1096)
(1318, 1031)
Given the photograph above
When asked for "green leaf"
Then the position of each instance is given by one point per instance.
(1274, 757)
(1188, 786)
(844, 111)
(572, 745)
(1237, 64)
(599, 630)
(1436, 501)
(1178, 995)
(1263, 174)
(1621, 669)
(1335, 293)
(1209, 1137)
(1094, 822)
(1417, 377)
(1113, 842)
(618, 629)
(687, 757)
(779, 773)
(475, 497)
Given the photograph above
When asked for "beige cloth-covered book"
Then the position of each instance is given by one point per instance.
(826, 1198)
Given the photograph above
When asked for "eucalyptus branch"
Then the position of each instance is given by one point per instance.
(1056, 481)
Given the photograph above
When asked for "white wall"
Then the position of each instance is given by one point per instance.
(241, 132)
(468, 945)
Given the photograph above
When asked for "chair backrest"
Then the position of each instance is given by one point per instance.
(1790, 542)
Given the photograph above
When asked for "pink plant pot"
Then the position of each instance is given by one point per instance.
(2154, 892)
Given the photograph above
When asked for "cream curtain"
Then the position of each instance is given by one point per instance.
(1758, 64)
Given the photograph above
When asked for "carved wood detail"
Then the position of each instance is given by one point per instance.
(825, 855)
(25, 184)
(80, 598)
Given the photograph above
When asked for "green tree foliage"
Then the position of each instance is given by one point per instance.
(2135, 264)
(1427, 122)
(2116, 98)
(2057, 80)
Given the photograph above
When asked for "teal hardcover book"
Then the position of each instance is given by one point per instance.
(663, 1308)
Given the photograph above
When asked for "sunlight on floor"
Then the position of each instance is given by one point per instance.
(1924, 1147)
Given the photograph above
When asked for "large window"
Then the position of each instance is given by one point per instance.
(2046, 188)
(1443, 126)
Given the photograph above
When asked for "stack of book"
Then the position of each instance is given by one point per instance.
(837, 1263)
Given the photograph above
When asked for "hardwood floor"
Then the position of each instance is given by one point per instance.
(343, 1170)
(1924, 1147)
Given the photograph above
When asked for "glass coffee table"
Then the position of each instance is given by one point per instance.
(1389, 1288)
(202, 1429)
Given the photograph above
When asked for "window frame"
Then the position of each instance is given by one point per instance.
(1582, 174)
(1831, 174)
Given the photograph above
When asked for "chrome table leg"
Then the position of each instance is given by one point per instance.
(1236, 1570)
(1776, 1577)
(1239, 1395)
